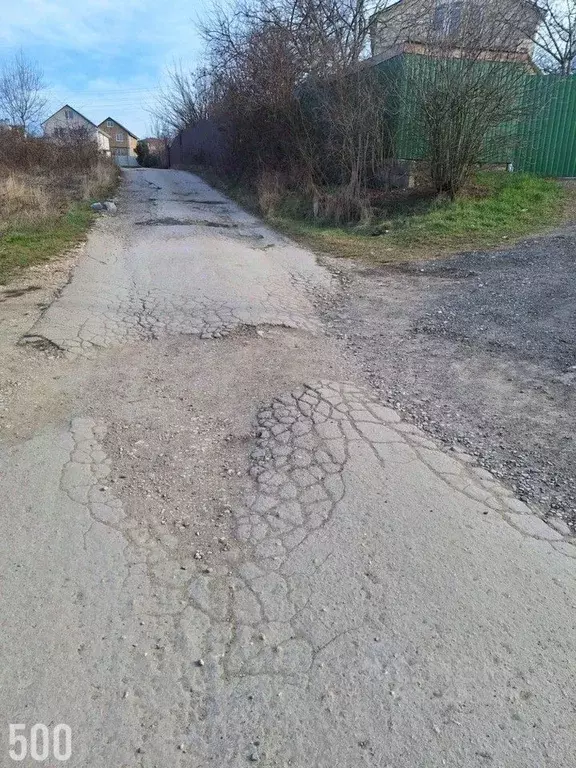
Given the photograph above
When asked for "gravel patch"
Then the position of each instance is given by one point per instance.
(480, 351)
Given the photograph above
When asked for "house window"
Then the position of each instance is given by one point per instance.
(119, 137)
(439, 18)
(448, 18)
(68, 114)
(109, 123)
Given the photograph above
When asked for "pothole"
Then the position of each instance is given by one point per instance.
(41, 343)
(171, 222)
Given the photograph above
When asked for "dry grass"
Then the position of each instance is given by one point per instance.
(45, 195)
(23, 199)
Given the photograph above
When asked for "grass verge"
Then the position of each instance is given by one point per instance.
(496, 209)
(44, 214)
(26, 244)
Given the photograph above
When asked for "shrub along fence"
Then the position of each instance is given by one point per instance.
(541, 140)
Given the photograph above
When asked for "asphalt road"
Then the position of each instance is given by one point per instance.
(220, 549)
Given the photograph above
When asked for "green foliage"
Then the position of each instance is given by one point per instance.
(495, 209)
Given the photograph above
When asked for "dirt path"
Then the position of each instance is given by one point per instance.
(220, 549)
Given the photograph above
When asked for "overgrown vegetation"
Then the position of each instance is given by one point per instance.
(45, 192)
(494, 209)
(303, 109)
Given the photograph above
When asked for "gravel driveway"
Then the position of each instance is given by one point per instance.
(480, 349)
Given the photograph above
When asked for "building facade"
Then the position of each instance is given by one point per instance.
(68, 122)
(502, 29)
(122, 141)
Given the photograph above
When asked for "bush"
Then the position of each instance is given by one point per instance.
(41, 177)
(147, 159)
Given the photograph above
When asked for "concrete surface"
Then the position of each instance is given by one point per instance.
(219, 548)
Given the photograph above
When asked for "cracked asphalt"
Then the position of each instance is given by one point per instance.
(221, 549)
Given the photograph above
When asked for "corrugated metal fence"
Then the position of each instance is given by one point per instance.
(542, 142)
(547, 139)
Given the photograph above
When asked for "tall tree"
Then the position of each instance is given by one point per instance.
(182, 101)
(555, 38)
(22, 89)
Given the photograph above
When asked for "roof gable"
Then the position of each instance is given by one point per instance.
(119, 126)
(67, 106)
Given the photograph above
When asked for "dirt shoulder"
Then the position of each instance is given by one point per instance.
(22, 302)
(479, 350)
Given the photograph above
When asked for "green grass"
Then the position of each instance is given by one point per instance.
(510, 205)
(24, 245)
(496, 209)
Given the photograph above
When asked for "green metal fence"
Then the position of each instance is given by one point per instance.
(547, 139)
(542, 141)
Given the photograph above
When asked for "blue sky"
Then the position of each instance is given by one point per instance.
(104, 57)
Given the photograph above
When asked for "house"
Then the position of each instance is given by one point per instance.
(122, 141)
(67, 123)
(501, 29)
(155, 145)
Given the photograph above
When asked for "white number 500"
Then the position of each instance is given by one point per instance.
(39, 742)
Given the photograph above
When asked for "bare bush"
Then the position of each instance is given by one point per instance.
(40, 178)
(289, 86)
(467, 97)
(288, 93)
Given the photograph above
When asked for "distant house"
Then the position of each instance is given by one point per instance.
(155, 145)
(502, 29)
(122, 141)
(7, 126)
(67, 123)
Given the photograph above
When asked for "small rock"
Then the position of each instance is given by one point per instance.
(97, 207)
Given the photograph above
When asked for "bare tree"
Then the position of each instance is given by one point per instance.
(22, 88)
(290, 95)
(555, 38)
(291, 87)
(183, 100)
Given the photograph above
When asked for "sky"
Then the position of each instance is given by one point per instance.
(106, 58)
